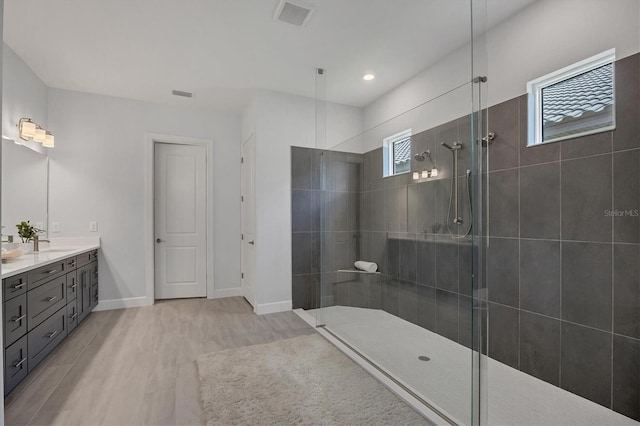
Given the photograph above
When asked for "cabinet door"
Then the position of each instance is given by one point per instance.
(84, 294)
(72, 316)
(15, 319)
(15, 364)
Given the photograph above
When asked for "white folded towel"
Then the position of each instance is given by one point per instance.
(366, 266)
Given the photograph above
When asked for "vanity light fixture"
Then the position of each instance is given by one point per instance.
(368, 77)
(41, 135)
(416, 175)
(26, 128)
(434, 172)
(425, 174)
(49, 141)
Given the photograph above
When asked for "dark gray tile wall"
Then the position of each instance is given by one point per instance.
(563, 272)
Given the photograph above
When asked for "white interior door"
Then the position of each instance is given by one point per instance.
(248, 217)
(180, 221)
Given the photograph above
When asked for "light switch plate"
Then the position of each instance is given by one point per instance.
(93, 226)
(55, 226)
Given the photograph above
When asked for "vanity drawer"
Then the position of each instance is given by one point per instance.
(83, 259)
(15, 364)
(46, 336)
(72, 316)
(70, 263)
(72, 286)
(93, 256)
(14, 286)
(46, 300)
(41, 275)
(15, 319)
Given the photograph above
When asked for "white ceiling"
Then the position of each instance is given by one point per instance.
(222, 50)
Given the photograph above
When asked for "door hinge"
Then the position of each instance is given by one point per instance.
(242, 275)
(242, 236)
(241, 160)
(242, 198)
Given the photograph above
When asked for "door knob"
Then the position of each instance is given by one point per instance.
(253, 243)
(158, 240)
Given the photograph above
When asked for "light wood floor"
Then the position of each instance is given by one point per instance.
(137, 366)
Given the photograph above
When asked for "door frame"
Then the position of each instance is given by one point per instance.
(252, 302)
(151, 139)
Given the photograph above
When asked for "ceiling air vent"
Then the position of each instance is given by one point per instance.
(293, 12)
(183, 94)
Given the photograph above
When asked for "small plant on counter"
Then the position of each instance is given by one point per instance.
(27, 231)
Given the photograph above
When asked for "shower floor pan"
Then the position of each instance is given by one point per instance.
(394, 346)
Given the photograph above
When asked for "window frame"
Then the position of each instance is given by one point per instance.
(535, 88)
(389, 144)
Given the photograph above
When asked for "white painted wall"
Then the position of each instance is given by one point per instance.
(97, 174)
(281, 121)
(547, 35)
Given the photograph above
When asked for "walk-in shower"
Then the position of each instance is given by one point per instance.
(508, 267)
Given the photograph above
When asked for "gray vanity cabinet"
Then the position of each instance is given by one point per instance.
(41, 307)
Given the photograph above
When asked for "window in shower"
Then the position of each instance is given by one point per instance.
(575, 101)
(397, 154)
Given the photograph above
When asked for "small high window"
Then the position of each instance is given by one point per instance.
(575, 101)
(397, 154)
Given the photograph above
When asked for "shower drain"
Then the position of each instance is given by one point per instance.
(424, 358)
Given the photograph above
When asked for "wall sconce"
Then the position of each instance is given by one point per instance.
(26, 128)
(29, 130)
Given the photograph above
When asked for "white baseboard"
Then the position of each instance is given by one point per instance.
(129, 302)
(226, 292)
(272, 308)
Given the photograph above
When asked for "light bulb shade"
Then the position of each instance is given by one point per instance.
(40, 136)
(434, 172)
(425, 174)
(49, 141)
(27, 128)
(416, 175)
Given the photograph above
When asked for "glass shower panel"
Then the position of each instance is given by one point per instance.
(411, 313)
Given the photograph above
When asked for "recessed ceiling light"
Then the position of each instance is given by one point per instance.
(368, 77)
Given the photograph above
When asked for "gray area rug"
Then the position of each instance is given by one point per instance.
(303, 380)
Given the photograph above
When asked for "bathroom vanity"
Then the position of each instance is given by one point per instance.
(45, 296)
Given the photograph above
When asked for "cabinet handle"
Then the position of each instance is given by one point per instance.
(18, 319)
(73, 286)
(19, 363)
(51, 271)
(52, 298)
(74, 316)
(53, 333)
(18, 286)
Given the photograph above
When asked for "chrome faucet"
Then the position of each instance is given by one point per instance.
(36, 243)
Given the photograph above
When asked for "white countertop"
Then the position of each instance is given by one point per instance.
(58, 249)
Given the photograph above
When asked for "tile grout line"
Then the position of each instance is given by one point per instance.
(613, 224)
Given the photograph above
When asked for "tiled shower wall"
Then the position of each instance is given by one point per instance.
(564, 248)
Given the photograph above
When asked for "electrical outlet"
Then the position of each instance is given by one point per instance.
(39, 225)
(93, 226)
(55, 226)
